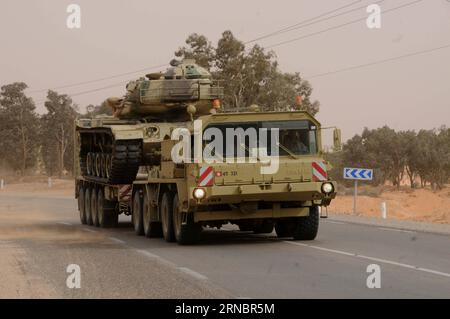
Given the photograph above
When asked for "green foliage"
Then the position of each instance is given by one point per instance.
(249, 76)
(57, 133)
(424, 155)
(19, 128)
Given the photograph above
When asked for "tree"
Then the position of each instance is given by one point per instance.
(19, 127)
(199, 48)
(58, 133)
(249, 77)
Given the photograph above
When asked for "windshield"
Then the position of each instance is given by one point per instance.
(241, 139)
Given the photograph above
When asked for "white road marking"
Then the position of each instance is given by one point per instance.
(385, 261)
(322, 248)
(156, 257)
(117, 240)
(395, 229)
(89, 230)
(334, 222)
(64, 223)
(161, 260)
(192, 273)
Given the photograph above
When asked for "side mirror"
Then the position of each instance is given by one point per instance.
(337, 140)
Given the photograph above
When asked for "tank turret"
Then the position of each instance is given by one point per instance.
(168, 96)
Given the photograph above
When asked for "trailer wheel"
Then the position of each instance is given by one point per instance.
(300, 228)
(87, 205)
(94, 212)
(151, 229)
(166, 211)
(81, 205)
(137, 214)
(106, 210)
(187, 233)
(307, 227)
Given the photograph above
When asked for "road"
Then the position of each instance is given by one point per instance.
(41, 236)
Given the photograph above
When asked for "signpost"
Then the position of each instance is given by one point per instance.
(357, 174)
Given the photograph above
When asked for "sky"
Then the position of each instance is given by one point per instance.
(118, 36)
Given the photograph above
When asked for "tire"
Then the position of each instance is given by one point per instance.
(106, 210)
(137, 219)
(87, 205)
(94, 211)
(151, 229)
(81, 203)
(266, 227)
(98, 164)
(308, 227)
(285, 227)
(89, 164)
(300, 228)
(188, 233)
(166, 211)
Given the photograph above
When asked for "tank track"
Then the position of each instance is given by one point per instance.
(119, 165)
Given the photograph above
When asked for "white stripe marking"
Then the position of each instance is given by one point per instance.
(395, 229)
(322, 248)
(64, 223)
(89, 230)
(157, 258)
(385, 261)
(192, 273)
(334, 222)
(117, 240)
(207, 179)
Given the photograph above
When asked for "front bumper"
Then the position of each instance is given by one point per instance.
(280, 192)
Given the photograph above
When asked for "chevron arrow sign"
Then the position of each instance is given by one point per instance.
(360, 174)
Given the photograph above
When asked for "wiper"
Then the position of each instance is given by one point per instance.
(208, 146)
(244, 147)
(287, 150)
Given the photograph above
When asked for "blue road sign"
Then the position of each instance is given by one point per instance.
(360, 174)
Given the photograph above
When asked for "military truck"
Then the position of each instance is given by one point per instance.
(135, 164)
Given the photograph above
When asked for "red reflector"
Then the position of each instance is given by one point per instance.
(219, 174)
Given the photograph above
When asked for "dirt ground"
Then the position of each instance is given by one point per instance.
(422, 205)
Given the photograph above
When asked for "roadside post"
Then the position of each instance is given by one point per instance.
(49, 182)
(357, 174)
(383, 210)
(2, 184)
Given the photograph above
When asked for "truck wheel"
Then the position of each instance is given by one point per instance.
(285, 227)
(266, 227)
(151, 229)
(106, 210)
(94, 212)
(81, 205)
(87, 205)
(307, 227)
(188, 233)
(137, 214)
(166, 211)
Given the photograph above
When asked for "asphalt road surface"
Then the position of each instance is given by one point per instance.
(40, 237)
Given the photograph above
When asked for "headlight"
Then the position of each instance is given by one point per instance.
(327, 188)
(199, 193)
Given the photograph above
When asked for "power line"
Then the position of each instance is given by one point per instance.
(325, 19)
(301, 23)
(379, 61)
(100, 79)
(341, 25)
(89, 91)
